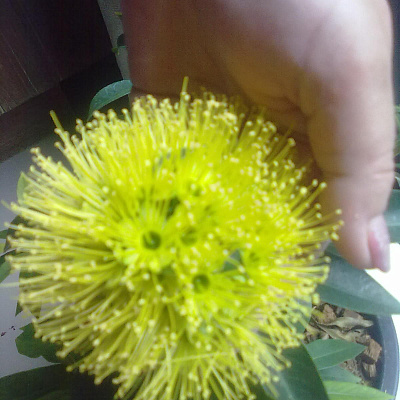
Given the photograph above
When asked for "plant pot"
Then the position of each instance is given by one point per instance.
(388, 366)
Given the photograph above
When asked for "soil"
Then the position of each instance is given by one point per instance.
(332, 322)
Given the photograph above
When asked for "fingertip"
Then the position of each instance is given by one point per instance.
(364, 237)
(365, 244)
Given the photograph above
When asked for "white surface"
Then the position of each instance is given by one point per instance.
(11, 360)
(390, 281)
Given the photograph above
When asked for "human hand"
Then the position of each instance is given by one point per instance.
(323, 67)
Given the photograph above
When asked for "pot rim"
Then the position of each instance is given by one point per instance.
(389, 368)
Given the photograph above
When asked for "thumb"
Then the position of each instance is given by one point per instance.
(355, 154)
(351, 130)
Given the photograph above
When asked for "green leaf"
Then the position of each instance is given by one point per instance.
(392, 216)
(257, 391)
(353, 391)
(397, 176)
(32, 347)
(352, 288)
(5, 269)
(64, 394)
(10, 231)
(3, 234)
(337, 373)
(120, 44)
(331, 250)
(301, 381)
(121, 40)
(328, 353)
(18, 309)
(33, 384)
(108, 94)
(21, 185)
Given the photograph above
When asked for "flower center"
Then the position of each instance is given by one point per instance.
(151, 240)
(189, 237)
(201, 283)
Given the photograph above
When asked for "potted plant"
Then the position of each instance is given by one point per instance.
(154, 280)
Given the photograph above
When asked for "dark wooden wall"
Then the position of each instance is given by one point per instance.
(54, 54)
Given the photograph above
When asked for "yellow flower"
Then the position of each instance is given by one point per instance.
(174, 251)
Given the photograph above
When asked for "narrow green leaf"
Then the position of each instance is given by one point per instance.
(21, 185)
(337, 373)
(353, 391)
(5, 269)
(352, 288)
(109, 94)
(301, 381)
(328, 353)
(392, 216)
(3, 234)
(33, 384)
(32, 347)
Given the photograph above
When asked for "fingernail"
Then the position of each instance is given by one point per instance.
(379, 243)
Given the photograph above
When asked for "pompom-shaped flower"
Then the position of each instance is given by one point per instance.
(175, 251)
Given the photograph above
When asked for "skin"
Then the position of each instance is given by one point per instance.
(321, 67)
